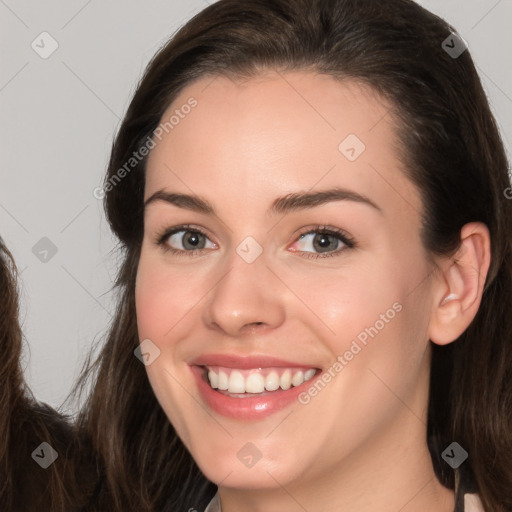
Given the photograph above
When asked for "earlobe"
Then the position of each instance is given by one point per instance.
(459, 291)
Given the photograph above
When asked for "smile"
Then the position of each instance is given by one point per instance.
(242, 382)
(250, 387)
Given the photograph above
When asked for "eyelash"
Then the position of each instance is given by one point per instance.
(347, 240)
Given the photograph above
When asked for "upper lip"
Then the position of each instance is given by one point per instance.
(245, 362)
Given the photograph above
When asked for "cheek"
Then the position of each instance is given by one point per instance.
(385, 345)
(150, 302)
(377, 313)
(342, 306)
(162, 303)
(162, 299)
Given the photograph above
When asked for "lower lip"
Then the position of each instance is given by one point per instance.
(252, 407)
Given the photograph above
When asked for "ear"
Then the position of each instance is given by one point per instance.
(458, 291)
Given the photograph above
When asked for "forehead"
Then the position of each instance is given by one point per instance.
(278, 133)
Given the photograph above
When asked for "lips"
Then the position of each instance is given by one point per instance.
(250, 387)
(245, 362)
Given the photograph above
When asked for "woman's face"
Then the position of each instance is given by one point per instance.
(274, 280)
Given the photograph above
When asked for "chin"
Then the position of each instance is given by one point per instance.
(245, 468)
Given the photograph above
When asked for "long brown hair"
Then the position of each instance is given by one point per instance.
(452, 152)
(26, 423)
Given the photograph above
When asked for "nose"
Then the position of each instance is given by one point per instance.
(246, 299)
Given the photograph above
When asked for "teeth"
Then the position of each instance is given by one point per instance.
(223, 380)
(309, 374)
(286, 379)
(255, 383)
(214, 379)
(236, 383)
(272, 381)
(257, 380)
(298, 378)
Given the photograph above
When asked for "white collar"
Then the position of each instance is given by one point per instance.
(472, 503)
(214, 505)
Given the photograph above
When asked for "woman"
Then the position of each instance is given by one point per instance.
(317, 273)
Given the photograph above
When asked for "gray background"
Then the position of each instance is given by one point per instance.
(58, 116)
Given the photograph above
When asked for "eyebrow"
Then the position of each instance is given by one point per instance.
(290, 202)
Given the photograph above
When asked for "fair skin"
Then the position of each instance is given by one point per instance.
(359, 444)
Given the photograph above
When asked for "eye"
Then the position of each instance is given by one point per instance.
(183, 240)
(326, 240)
(188, 241)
